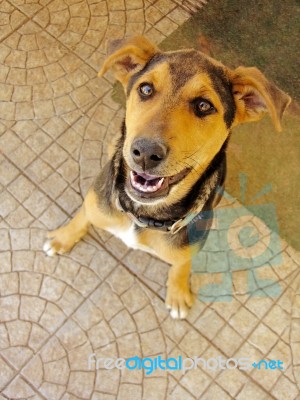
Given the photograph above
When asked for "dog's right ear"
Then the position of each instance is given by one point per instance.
(128, 56)
(254, 96)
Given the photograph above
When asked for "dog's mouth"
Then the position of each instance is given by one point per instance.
(152, 186)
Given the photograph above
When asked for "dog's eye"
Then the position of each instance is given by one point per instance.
(146, 90)
(203, 107)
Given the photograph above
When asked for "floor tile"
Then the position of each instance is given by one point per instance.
(11, 18)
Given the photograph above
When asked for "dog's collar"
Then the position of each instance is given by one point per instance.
(170, 226)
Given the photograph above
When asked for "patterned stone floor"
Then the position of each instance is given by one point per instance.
(57, 120)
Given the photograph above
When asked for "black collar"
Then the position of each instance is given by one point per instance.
(171, 226)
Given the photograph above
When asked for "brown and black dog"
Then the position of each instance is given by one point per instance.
(170, 160)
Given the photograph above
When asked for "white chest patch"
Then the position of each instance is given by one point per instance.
(129, 237)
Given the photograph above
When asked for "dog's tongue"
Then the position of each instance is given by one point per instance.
(148, 177)
(146, 183)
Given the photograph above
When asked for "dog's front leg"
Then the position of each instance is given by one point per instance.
(179, 297)
(63, 239)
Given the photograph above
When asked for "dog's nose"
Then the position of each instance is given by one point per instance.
(147, 153)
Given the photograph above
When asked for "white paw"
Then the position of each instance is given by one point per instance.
(179, 301)
(48, 249)
(178, 313)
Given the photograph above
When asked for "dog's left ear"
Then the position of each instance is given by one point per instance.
(128, 56)
(254, 96)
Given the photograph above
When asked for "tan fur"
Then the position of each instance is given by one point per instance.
(171, 117)
(134, 51)
(166, 117)
(272, 99)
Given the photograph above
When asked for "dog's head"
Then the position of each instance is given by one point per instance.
(179, 111)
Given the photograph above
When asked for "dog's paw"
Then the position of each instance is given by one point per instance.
(52, 247)
(49, 249)
(179, 300)
(59, 242)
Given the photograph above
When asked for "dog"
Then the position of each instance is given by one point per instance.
(169, 164)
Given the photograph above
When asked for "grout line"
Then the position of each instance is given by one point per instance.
(18, 26)
(37, 184)
(249, 376)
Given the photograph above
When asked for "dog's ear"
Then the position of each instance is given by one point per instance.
(254, 96)
(128, 56)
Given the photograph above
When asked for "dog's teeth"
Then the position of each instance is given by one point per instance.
(160, 182)
(152, 188)
(141, 187)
